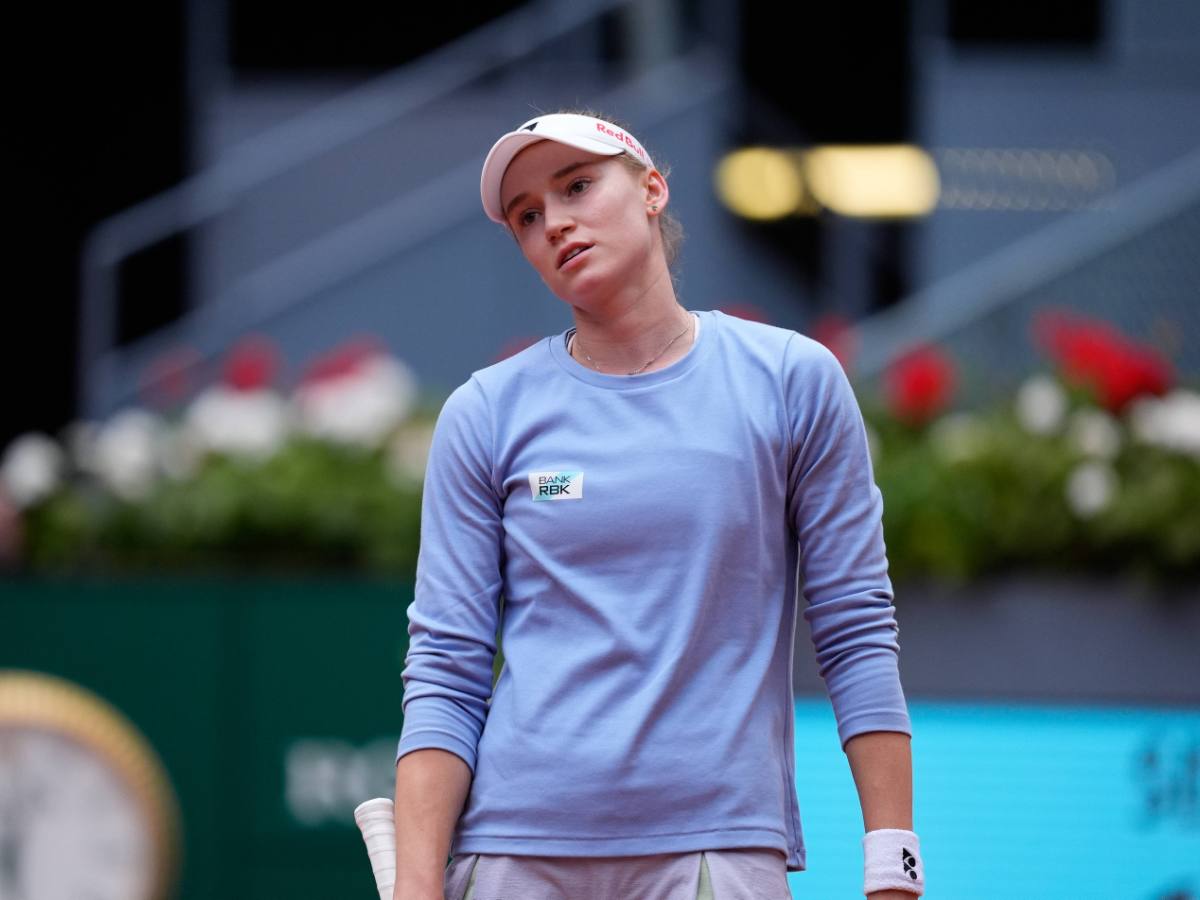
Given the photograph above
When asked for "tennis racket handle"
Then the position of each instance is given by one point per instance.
(376, 820)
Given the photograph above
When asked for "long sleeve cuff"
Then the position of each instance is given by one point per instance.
(867, 696)
(439, 722)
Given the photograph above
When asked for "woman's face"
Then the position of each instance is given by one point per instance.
(559, 200)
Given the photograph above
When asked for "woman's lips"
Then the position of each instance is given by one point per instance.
(571, 262)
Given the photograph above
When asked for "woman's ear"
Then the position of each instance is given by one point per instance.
(656, 192)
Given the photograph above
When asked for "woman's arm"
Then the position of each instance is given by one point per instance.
(837, 513)
(452, 626)
(431, 788)
(881, 762)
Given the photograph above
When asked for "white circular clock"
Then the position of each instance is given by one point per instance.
(85, 806)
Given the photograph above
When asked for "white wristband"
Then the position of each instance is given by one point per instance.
(893, 861)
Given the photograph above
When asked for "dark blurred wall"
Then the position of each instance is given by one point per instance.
(838, 73)
(100, 124)
(829, 73)
(1036, 25)
(103, 121)
(276, 36)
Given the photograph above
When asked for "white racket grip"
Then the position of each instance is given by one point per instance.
(376, 820)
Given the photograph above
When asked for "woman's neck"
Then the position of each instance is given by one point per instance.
(655, 330)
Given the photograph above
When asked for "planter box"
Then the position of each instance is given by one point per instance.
(274, 706)
(1039, 637)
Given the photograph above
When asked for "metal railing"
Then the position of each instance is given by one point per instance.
(1135, 263)
(334, 123)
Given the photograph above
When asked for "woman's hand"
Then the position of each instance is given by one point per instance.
(400, 893)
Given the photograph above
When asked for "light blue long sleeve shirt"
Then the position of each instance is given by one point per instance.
(644, 532)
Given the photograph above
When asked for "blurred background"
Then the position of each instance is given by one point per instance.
(250, 263)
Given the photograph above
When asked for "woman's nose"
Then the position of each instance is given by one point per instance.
(558, 220)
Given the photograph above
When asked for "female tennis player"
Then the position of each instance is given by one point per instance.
(652, 492)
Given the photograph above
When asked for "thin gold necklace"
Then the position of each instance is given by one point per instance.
(686, 329)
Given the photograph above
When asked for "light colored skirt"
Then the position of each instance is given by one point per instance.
(733, 874)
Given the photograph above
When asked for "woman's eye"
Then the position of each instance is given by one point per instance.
(577, 186)
(526, 218)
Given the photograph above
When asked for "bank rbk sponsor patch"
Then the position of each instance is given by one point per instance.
(556, 485)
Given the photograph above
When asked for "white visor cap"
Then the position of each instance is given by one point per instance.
(584, 132)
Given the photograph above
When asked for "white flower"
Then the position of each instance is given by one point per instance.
(180, 453)
(127, 453)
(408, 453)
(31, 469)
(360, 407)
(957, 436)
(1041, 404)
(1091, 488)
(79, 439)
(246, 423)
(1095, 433)
(1172, 422)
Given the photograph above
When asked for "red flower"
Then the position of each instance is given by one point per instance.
(919, 385)
(170, 377)
(1094, 355)
(252, 364)
(345, 359)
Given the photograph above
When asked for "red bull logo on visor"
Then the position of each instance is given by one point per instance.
(625, 139)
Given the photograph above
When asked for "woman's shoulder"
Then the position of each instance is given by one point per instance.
(517, 365)
(495, 383)
(785, 347)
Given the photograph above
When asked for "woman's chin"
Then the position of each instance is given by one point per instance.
(592, 287)
(584, 291)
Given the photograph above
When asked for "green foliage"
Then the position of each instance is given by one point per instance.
(312, 505)
(969, 494)
(976, 494)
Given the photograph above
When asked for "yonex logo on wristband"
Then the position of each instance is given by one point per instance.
(880, 872)
(556, 485)
(910, 863)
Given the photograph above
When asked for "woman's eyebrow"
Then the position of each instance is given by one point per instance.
(568, 169)
(565, 170)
